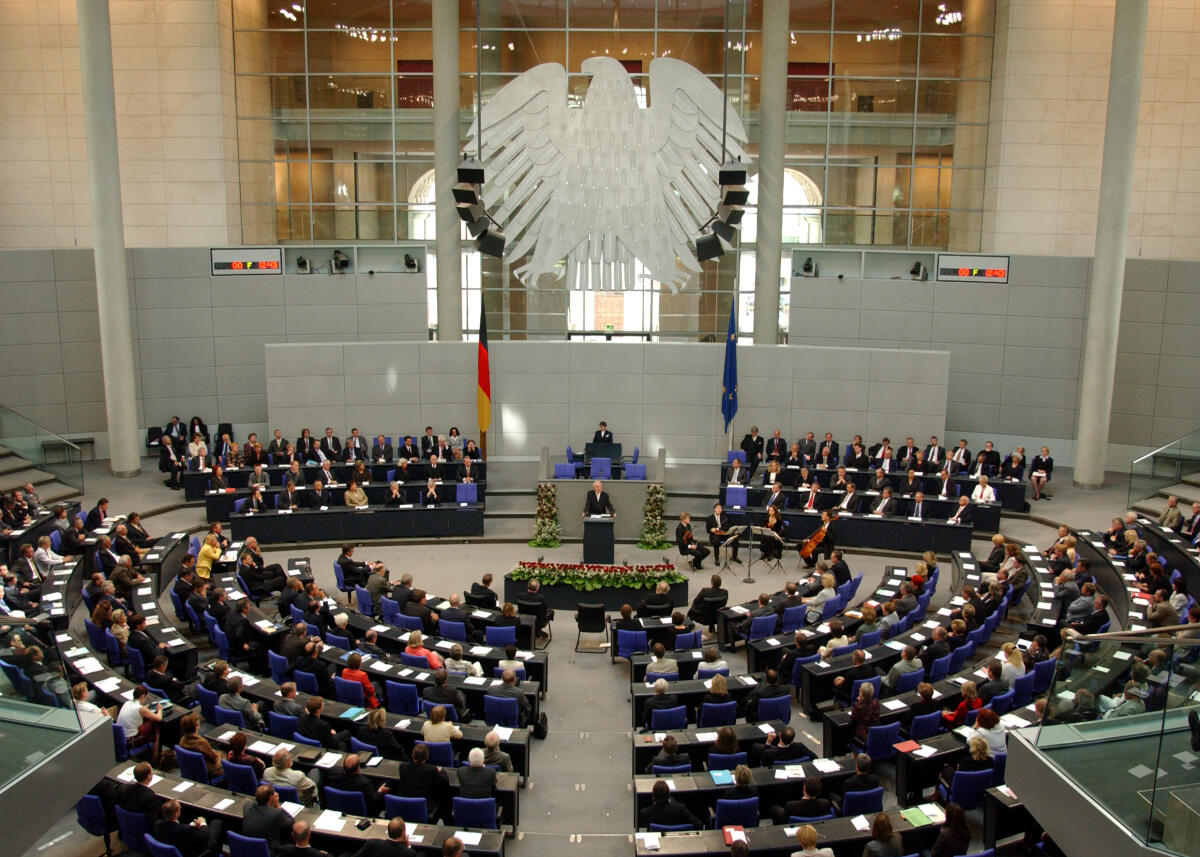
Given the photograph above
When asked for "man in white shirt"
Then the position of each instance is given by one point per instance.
(983, 492)
(849, 502)
(934, 454)
(918, 509)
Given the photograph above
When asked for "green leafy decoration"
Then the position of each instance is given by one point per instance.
(546, 531)
(654, 528)
(588, 578)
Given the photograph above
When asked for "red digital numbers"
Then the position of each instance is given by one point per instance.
(997, 273)
(964, 272)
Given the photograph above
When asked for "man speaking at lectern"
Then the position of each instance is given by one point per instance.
(597, 502)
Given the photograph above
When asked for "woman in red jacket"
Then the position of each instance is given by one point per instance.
(353, 673)
(970, 702)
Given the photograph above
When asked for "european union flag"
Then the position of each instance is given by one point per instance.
(729, 382)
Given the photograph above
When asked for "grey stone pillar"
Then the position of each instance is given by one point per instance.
(108, 237)
(772, 123)
(1108, 264)
(445, 164)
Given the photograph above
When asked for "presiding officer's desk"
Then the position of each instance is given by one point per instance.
(394, 640)
(196, 482)
(697, 743)
(407, 727)
(375, 767)
(689, 694)
(840, 834)
(198, 799)
(341, 524)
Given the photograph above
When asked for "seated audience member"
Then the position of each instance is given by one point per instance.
(953, 718)
(281, 773)
(665, 810)
(810, 805)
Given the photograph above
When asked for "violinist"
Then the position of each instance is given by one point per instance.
(820, 543)
(688, 546)
(718, 526)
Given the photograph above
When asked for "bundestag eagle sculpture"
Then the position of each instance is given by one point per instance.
(608, 182)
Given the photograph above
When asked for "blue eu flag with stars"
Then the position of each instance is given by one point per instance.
(729, 382)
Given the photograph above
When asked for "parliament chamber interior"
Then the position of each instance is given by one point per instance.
(809, 382)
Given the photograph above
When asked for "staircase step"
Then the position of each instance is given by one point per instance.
(17, 479)
(11, 463)
(53, 492)
(1151, 506)
(1192, 479)
(1186, 492)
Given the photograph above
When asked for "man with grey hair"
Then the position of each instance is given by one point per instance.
(125, 577)
(281, 773)
(476, 780)
(661, 699)
(493, 755)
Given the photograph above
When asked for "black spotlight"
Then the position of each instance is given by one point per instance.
(340, 261)
(708, 246)
(810, 269)
(470, 171)
(717, 236)
(490, 242)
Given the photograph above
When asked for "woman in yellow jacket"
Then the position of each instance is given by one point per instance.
(210, 551)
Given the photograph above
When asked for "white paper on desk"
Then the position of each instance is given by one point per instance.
(887, 593)
(474, 679)
(444, 644)
(403, 724)
(969, 566)
(826, 766)
(957, 601)
(781, 774)
(223, 804)
(1007, 792)
(738, 608)
(932, 623)
(262, 747)
(860, 822)
(708, 684)
(895, 644)
(52, 596)
(109, 684)
(894, 704)
(503, 732)
(748, 679)
(469, 837)
(705, 737)
(265, 624)
(823, 664)
(75, 653)
(920, 638)
(379, 666)
(182, 787)
(766, 728)
(406, 672)
(924, 751)
(944, 611)
(291, 808)
(480, 650)
(328, 760)
(329, 820)
(87, 666)
(1043, 605)
(649, 841)
(524, 656)
(933, 812)
(422, 676)
(1122, 655)
(823, 628)
(867, 654)
(771, 641)
(697, 655)
(795, 771)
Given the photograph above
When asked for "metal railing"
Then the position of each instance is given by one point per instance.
(43, 449)
(1164, 466)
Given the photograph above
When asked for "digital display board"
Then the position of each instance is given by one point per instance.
(971, 268)
(246, 260)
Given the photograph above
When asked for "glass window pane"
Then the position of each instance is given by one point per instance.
(327, 14)
(615, 16)
(261, 51)
(879, 228)
(885, 143)
(293, 223)
(955, 56)
(886, 53)
(695, 15)
(952, 101)
(808, 94)
(930, 228)
(513, 14)
(345, 92)
(808, 48)
(701, 50)
(958, 16)
(879, 95)
(349, 51)
(930, 188)
(636, 47)
(866, 16)
(810, 14)
(259, 95)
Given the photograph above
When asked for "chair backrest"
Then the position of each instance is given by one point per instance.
(414, 810)
(478, 813)
(222, 642)
(589, 617)
(282, 725)
(340, 577)
(635, 471)
(717, 714)
(95, 635)
(249, 846)
(968, 787)
(89, 812)
(630, 643)
(809, 819)
(498, 672)
(440, 753)
(688, 640)
(362, 600)
(466, 492)
(296, 613)
(774, 708)
(390, 610)
(114, 649)
(133, 827)
(830, 609)
(998, 763)
(925, 726)
(871, 638)
(762, 627)
(401, 698)
(451, 712)
(660, 770)
(241, 779)
(191, 765)
(880, 740)
(306, 682)
(959, 657)
(601, 468)
(56, 539)
(564, 471)
(500, 635)
(160, 849)
(349, 692)
(410, 623)
(228, 717)
(278, 665)
(793, 618)
(340, 800)
(940, 668)
(208, 703)
(710, 606)
(838, 651)
(337, 640)
(725, 761)
(303, 739)
(707, 673)
(858, 803)
(909, 681)
(875, 681)
(743, 812)
(452, 630)
(735, 496)
(972, 716)
(1023, 689)
(360, 747)
(739, 454)
(669, 718)
(1044, 673)
(418, 661)
(1002, 702)
(501, 711)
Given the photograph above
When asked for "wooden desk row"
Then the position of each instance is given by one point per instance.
(340, 524)
(696, 743)
(219, 505)
(196, 482)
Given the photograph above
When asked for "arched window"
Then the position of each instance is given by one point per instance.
(421, 218)
(801, 209)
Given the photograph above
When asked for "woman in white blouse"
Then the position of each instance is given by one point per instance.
(1012, 662)
(197, 450)
(46, 558)
(983, 492)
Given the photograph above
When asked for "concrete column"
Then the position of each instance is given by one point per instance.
(772, 121)
(446, 155)
(1108, 264)
(108, 237)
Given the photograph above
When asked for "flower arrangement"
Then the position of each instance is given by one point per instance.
(546, 530)
(654, 528)
(588, 578)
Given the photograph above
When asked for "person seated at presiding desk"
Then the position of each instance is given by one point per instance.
(983, 493)
(602, 434)
(354, 572)
(665, 810)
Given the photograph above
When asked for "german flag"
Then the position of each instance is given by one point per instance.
(483, 392)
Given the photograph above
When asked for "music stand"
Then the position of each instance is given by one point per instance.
(727, 546)
(766, 534)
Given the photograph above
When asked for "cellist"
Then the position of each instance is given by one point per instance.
(820, 543)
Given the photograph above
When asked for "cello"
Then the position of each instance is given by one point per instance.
(812, 542)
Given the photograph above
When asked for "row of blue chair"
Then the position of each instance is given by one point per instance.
(598, 467)
(720, 714)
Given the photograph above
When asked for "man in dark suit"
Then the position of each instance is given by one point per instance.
(809, 447)
(137, 796)
(666, 810)
(878, 481)
(812, 805)
(718, 526)
(658, 600)
(455, 613)
(140, 641)
(197, 839)
(687, 543)
(838, 567)
(533, 595)
(918, 510)
(381, 450)
(468, 471)
(396, 845)
(428, 443)
(782, 748)
(509, 688)
(776, 449)
(355, 448)
(863, 780)
(264, 819)
(602, 434)
(421, 779)
(597, 502)
(408, 450)
(95, 518)
(961, 458)
(752, 445)
(353, 571)
(995, 685)
(310, 725)
(662, 699)
(849, 501)
(829, 442)
(875, 450)
(935, 454)
(735, 474)
(176, 431)
(330, 446)
(776, 497)
(885, 505)
(442, 694)
(906, 453)
(237, 629)
(158, 679)
(962, 515)
(299, 846)
(319, 496)
(349, 777)
(277, 446)
(769, 688)
(992, 456)
(482, 589)
(171, 463)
